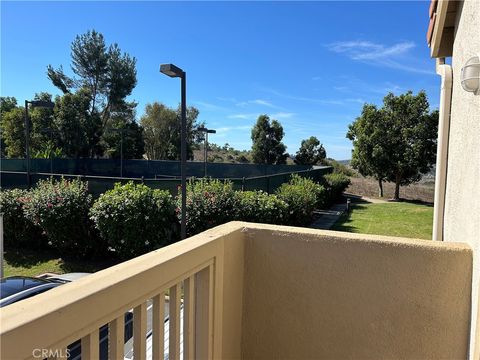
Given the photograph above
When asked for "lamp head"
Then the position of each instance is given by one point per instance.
(42, 104)
(171, 70)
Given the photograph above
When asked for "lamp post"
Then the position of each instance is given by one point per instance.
(174, 71)
(205, 150)
(39, 104)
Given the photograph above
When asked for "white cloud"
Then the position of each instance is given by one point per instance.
(207, 106)
(306, 99)
(227, 99)
(366, 50)
(395, 56)
(256, 102)
(222, 131)
(243, 116)
(282, 115)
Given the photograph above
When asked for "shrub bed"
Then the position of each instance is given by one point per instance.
(258, 206)
(336, 183)
(302, 196)
(133, 219)
(60, 209)
(210, 203)
(18, 230)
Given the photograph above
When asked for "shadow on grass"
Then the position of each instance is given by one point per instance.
(359, 200)
(342, 223)
(29, 258)
(417, 202)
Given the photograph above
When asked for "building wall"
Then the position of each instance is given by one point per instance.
(462, 202)
(312, 294)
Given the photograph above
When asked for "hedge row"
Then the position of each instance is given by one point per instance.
(133, 219)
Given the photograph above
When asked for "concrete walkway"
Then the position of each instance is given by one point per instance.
(328, 217)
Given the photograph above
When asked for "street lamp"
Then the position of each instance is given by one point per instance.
(174, 71)
(205, 150)
(34, 104)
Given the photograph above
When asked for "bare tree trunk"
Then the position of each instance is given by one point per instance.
(397, 188)
(380, 188)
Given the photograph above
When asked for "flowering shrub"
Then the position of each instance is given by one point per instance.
(60, 209)
(258, 206)
(210, 203)
(302, 196)
(18, 230)
(134, 219)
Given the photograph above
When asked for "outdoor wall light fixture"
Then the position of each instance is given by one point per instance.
(470, 77)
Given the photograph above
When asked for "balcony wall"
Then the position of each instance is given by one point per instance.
(334, 295)
(261, 291)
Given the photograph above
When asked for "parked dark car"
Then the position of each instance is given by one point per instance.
(16, 288)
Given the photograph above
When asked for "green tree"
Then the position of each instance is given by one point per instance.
(370, 154)
(7, 104)
(13, 126)
(78, 131)
(267, 145)
(41, 122)
(109, 75)
(133, 142)
(311, 152)
(162, 133)
(13, 132)
(398, 142)
(105, 77)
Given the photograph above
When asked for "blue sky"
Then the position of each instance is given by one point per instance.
(310, 65)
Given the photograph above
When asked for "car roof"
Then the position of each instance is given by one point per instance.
(68, 277)
(16, 284)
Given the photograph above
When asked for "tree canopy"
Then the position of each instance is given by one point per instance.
(267, 145)
(396, 143)
(162, 133)
(311, 152)
(107, 73)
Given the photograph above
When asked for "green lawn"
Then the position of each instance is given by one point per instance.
(394, 219)
(33, 262)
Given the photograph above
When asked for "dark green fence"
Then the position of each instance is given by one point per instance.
(99, 184)
(150, 169)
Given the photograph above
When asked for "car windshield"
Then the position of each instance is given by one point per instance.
(15, 284)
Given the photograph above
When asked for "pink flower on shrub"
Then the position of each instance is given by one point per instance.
(49, 205)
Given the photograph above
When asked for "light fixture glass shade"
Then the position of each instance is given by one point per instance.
(470, 77)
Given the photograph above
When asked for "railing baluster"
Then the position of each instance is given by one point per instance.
(90, 346)
(116, 330)
(204, 314)
(174, 321)
(158, 327)
(189, 318)
(140, 332)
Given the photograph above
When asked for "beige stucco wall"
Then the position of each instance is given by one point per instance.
(462, 202)
(330, 295)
